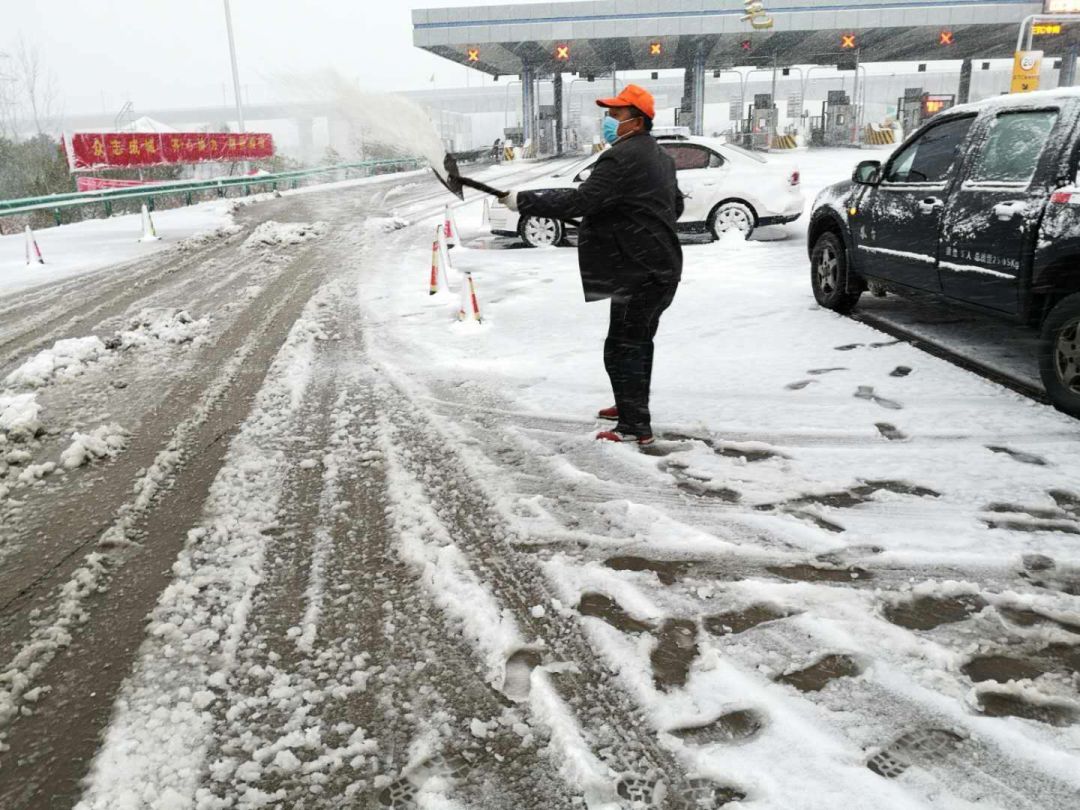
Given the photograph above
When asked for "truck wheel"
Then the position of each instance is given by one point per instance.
(731, 216)
(1059, 355)
(541, 231)
(828, 274)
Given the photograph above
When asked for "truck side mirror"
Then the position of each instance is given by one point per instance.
(866, 173)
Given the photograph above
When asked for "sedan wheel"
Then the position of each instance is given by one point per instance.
(541, 231)
(731, 216)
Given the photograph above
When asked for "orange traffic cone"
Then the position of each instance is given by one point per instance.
(444, 254)
(33, 252)
(469, 302)
(450, 228)
(434, 288)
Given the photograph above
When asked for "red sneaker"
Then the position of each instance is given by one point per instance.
(617, 436)
(611, 414)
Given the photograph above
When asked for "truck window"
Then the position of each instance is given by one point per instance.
(931, 158)
(1012, 149)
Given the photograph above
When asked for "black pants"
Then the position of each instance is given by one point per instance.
(628, 352)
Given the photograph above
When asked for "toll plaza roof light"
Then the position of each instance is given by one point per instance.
(474, 54)
(946, 38)
(746, 44)
(562, 53)
(847, 41)
(656, 49)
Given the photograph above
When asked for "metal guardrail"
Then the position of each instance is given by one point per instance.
(106, 197)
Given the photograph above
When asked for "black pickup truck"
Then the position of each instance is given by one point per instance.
(979, 207)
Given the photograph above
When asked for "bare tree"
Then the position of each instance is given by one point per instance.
(9, 105)
(36, 86)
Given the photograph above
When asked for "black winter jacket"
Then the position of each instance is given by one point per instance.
(629, 206)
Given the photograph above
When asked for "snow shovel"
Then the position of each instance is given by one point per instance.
(455, 183)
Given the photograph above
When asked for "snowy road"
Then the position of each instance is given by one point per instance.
(384, 563)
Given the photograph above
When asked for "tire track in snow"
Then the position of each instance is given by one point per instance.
(614, 727)
(92, 609)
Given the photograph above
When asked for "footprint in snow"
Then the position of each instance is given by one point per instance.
(849, 347)
(900, 371)
(1019, 455)
(890, 432)
(817, 372)
(867, 392)
(923, 746)
(798, 386)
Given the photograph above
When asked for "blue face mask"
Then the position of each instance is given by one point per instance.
(611, 129)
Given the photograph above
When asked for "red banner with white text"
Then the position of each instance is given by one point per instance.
(133, 150)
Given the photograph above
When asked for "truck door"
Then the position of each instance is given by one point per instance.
(897, 226)
(992, 218)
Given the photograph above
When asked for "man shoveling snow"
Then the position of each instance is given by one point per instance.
(628, 249)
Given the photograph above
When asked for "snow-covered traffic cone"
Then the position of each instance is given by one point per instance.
(444, 254)
(435, 265)
(149, 232)
(449, 228)
(485, 214)
(469, 302)
(33, 252)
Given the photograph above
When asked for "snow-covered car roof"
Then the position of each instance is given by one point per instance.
(1018, 100)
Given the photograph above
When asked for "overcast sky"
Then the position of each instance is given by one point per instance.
(163, 53)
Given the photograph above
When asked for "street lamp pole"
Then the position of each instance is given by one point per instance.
(235, 73)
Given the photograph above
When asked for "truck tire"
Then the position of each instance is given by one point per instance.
(541, 231)
(1059, 355)
(828, 274)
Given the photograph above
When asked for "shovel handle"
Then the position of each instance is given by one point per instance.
(484, 187)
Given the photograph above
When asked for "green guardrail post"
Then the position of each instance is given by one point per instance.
(108, 208)
(150, 204)
(56, 216)
(187, 198)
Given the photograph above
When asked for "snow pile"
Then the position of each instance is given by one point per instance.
(385, 224)
(67, 358)
(106, 441)
(201, 239)
(19, 418)
(174, 326)
(275, 234)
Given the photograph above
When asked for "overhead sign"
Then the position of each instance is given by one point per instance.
(473, 54)
(124, 150)
(847, 41)
(756, 15)
(946, 38)
(1063, 6)
(1026, 68)
(562, 53)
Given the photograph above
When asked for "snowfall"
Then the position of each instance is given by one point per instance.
(846, 575)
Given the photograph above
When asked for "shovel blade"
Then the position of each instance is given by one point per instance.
(450, 176)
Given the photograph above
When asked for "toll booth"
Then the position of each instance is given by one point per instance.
(764, 118)
(837, 124)
(917, 106)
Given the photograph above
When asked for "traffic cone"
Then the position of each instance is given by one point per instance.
(469, 302)
(444, 254)
(450, 228)
(485, 214)
(33, 252)
(435, 263)
(149, 232)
